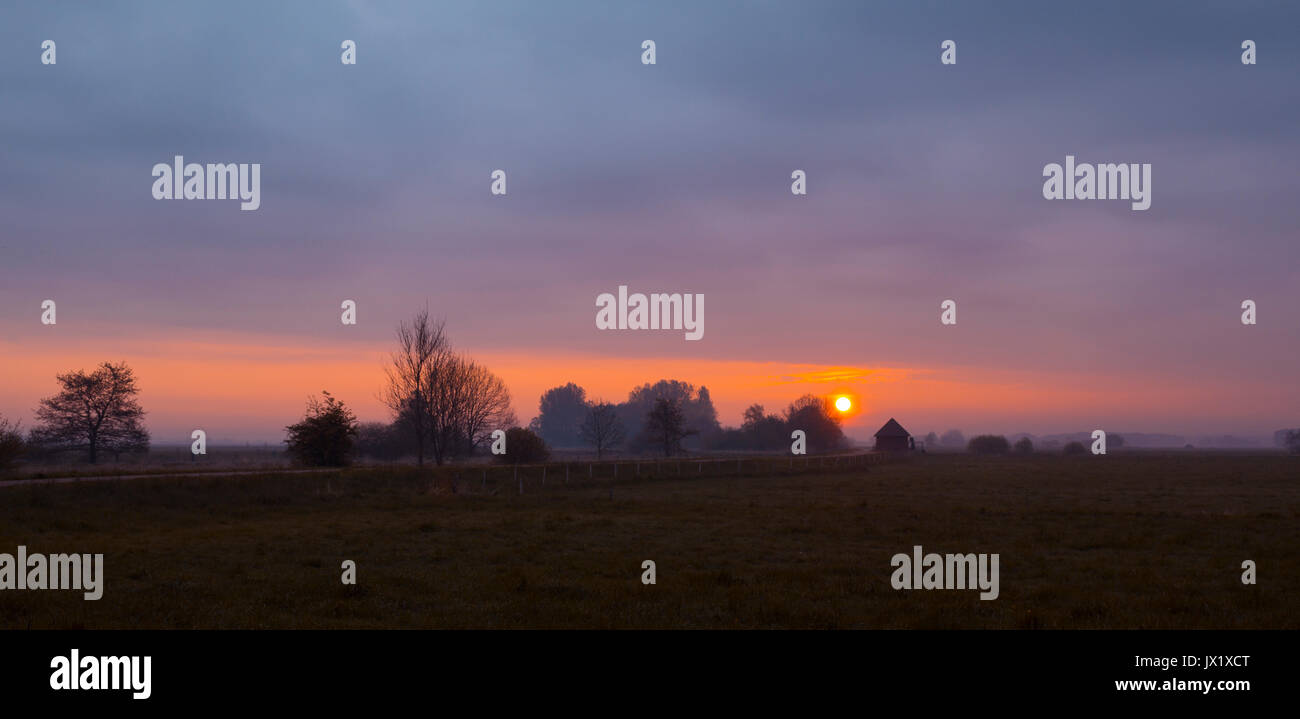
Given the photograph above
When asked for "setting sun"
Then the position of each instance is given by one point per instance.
(843, 404)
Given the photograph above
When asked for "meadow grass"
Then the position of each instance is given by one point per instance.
(1138, 540)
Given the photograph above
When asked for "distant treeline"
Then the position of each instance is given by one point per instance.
(446, 406)
(667, 417)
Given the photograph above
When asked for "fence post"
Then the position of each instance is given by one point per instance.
(543, 475)
(517, 479)
(589, 469)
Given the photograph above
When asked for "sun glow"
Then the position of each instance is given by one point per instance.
(843, 404)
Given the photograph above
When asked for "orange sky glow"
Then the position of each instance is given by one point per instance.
(244, 388)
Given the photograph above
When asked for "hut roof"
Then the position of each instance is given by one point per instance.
(892, 429)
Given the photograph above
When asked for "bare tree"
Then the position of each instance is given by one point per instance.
(440, 380)
(95, 411)
(450, 402)
(602, 427)
(484, 406)
(665, 425)
(421, 346)
(466, 403)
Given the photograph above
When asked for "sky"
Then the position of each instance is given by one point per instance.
(924, 184)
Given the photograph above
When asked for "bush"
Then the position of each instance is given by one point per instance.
(523, 446)
(988, 444)
(11, 444)
(1075, 448)
(326, 436)
(1024, 445)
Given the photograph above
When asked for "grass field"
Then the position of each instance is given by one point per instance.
(1128, 540)
(159, 460)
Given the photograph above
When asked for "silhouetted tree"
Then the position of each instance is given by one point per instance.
(468, 403)
(11, 444)
(561, 411)
(1074, 448)
(326, 435)
(820, 424)
(523, 446)
(953, 438)
(665, 426)
(697, 407)
(988, 444)
(449, 403)
(1024, 445)
(93, 412)
(420, 346)
(762, 430)
(602, 428)
(1292, 441)
(702, 415)
(932, 440)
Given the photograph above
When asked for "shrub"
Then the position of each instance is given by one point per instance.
(988, 444)
(1075, 448)
(523, 446)
(1024, 445)
(326, 436)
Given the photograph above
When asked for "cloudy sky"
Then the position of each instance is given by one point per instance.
(924, 184)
